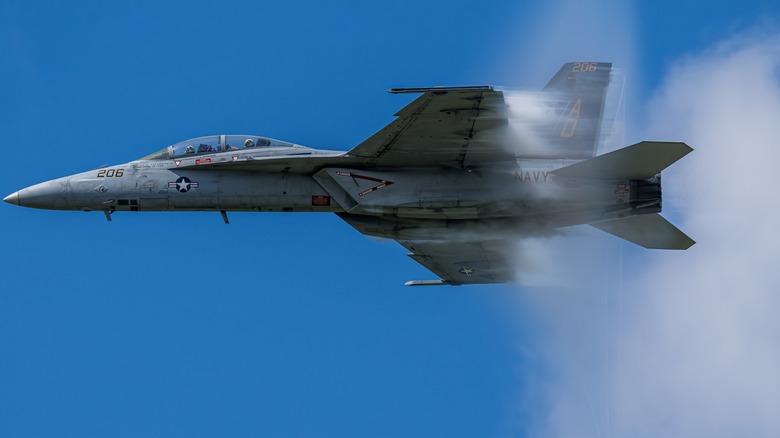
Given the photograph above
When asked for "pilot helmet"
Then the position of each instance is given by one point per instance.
(248, 143)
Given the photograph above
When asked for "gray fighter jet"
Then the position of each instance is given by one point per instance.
(453, 178)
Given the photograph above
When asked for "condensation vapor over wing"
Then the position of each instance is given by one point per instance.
(571, 296)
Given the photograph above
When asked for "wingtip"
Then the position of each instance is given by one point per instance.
(440, 89)
(430, 283)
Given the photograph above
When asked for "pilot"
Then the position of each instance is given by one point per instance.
(248, 143)
(190, 149)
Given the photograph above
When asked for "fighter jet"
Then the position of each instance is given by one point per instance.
(450, 179)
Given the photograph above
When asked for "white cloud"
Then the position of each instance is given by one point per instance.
(682, 343)
(703, 349)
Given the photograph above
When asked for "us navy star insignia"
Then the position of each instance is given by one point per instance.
(468, 272)
(182, 184)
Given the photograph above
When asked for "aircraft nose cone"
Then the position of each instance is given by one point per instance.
(50, 195)
(13, 198)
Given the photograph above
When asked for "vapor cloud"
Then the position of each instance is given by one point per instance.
(702, 350)
(686, 343)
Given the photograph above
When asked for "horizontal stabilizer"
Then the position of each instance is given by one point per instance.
(648, 230)
(639, 161)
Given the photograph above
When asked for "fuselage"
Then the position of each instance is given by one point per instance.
(291, 178)
(135, 187)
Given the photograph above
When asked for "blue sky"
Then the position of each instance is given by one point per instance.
(277, 324)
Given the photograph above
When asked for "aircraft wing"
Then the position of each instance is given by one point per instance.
(454, 261)
(448, 126)
(475, 262)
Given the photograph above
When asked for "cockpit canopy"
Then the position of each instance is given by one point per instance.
(213, 144)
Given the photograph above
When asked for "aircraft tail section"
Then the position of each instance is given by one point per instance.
(577, 94)
(647, 230)
(636, 168)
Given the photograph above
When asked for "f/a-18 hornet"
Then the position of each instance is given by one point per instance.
(450, 178)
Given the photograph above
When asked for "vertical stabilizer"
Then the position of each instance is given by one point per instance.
(577, 94)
